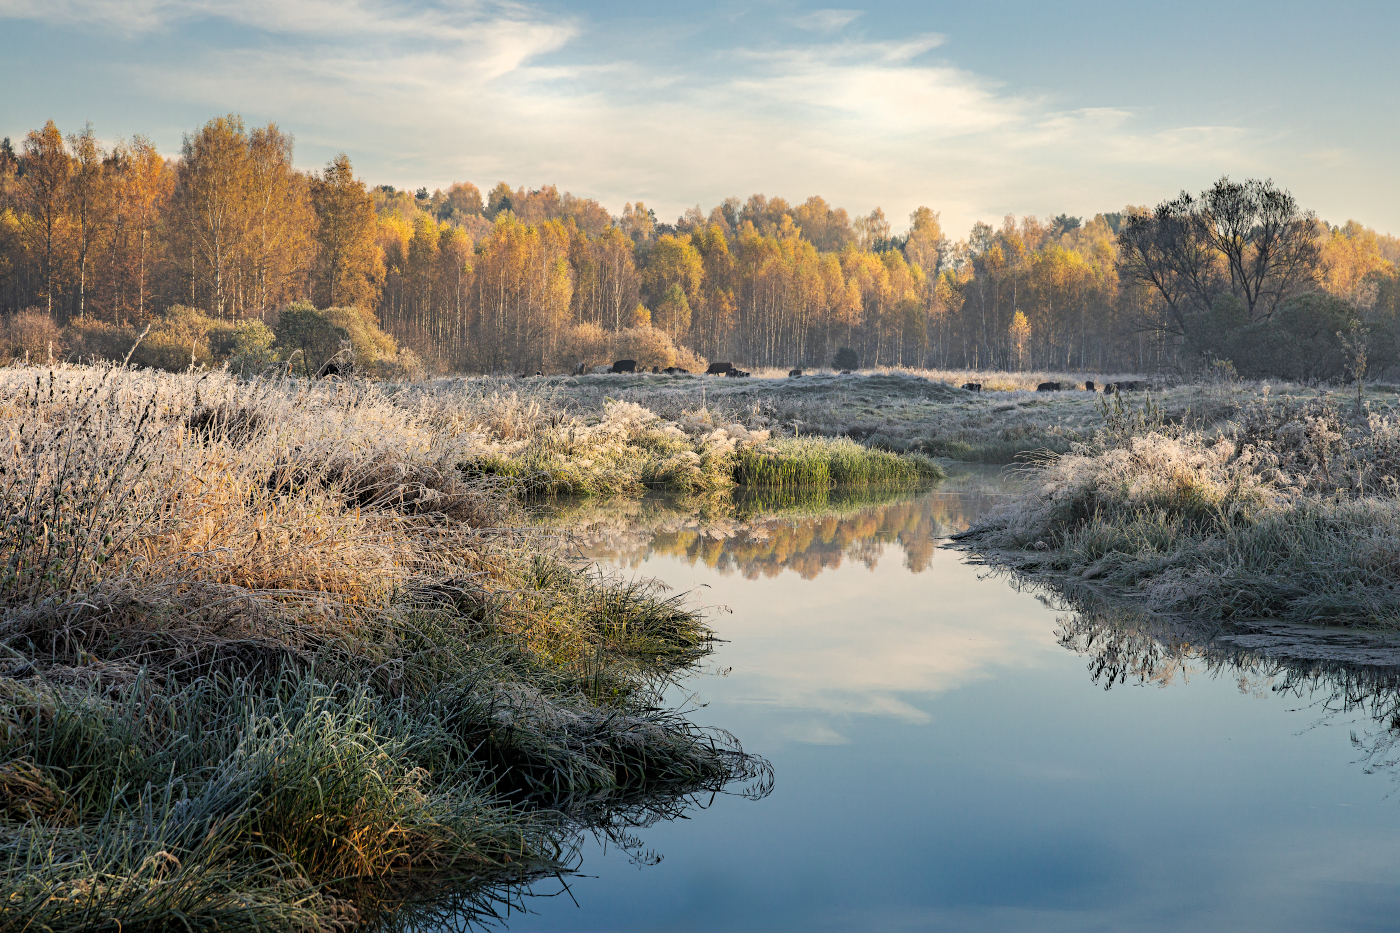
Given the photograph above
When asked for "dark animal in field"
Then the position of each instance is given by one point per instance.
(972, 386)
(1048, 387)
(623, 366)
(1134, 386)
(330, 369)
(845, 372)
(719, 369)
(794, 372)
(1109, 388)
(737, 374)
(656, 370)
(1089, 386)
(676, 371)
(581, 368)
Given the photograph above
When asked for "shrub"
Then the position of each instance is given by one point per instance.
(30, 335)
(649, 346)
(252, 348)
(91, 340)
(311, 338)
(1291, 514)
(371, 345)
(178, 340)
(307, 338)
(845, 358)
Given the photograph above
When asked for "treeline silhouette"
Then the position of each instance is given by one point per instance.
(211, 249)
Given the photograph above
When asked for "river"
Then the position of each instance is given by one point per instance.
(952, 751)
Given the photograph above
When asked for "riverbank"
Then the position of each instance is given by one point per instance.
(273, 658)
(1289, 513)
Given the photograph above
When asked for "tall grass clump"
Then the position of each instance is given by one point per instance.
(272, 657)
(539, 448)
(827, 462)
(1291, 513)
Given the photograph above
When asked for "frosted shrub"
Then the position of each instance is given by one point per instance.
(1292, 513)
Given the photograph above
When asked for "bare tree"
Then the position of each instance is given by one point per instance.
(1165, 249)
(1248, 238)
(1269, 245)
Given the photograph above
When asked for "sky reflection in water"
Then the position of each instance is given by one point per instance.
(943, 763)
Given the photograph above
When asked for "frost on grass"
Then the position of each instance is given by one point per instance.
(626, 448)
(1290, 513)
(270, 655)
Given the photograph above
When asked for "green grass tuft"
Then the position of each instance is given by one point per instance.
(829, 462)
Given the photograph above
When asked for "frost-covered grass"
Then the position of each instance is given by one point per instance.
(548, 442)
(902, 411)
(1289, 512)
(270, 657)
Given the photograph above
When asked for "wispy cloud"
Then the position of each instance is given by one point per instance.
(449, 21)
(826, 20)
(434, 92)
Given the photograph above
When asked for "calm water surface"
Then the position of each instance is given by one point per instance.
(943, 762)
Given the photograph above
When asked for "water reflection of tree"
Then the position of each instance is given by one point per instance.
(765, 536)
(1125, 645)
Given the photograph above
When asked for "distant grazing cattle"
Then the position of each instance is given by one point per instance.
(676, 371)
(845, 372)
(623, 366)
(1048, 387)
(581, 368)
(1109, 388)
(794, 372)
(719, 369)
(1089, 386)
(1134, 386)
(737, 374)
(972, 386)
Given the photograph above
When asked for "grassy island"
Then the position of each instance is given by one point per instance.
(1285, 508)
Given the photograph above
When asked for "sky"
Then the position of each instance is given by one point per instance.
(973, 109)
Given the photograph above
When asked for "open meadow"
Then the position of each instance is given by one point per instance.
(922, 411)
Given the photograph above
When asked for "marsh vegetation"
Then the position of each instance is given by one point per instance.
(906, 411)
(1286, 510)
(277, 655)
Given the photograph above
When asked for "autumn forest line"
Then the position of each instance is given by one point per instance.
(230, 252)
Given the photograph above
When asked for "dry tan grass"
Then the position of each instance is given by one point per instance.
(280, 635)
